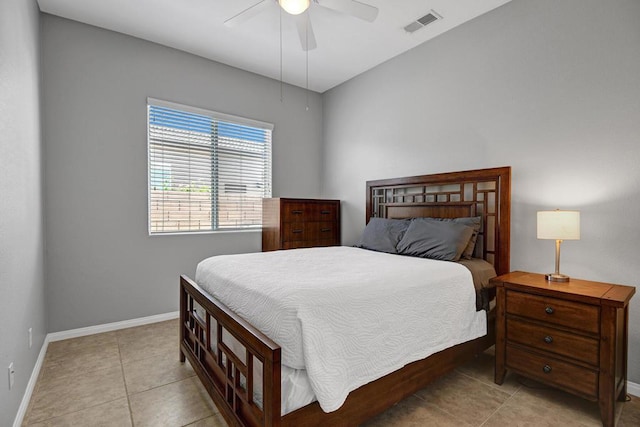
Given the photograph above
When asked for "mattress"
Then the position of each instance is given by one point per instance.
(331, 309)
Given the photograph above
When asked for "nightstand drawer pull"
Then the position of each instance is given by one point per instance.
(546, 369)
(549, 310)
(325, 212)
(296, 212)
(325, 230)
(296, 231)
(548, 339)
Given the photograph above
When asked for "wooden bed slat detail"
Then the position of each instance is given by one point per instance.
(222, 380)
(485, 193)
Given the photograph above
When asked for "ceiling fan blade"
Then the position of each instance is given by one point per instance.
(247, 14)
(351, 7)
(305, 31)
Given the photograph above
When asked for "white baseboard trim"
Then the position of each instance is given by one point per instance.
(75, 333)
(633, 388)
(31, 385)
(108, 327)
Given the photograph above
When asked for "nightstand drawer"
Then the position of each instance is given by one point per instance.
(570, 314)
(553, 340)
(553, 371)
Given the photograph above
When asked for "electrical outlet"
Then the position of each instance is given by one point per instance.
(12, 375)
(30, 338)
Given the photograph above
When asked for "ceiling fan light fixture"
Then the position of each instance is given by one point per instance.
(294, 7)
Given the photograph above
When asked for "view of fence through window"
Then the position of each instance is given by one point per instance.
(206, 173)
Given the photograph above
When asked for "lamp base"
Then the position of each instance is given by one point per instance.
(556, 277)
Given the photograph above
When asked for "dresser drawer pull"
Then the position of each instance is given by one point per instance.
(325, 212)
(549, 310)
(546, 369)
(296, 212)
(325, 230)
(548, 339)
(296, 231)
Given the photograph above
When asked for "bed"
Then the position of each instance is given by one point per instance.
(246, 395)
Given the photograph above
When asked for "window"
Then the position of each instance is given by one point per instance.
(207, 171)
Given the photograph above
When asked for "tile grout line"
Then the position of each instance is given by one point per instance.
(433, 405)
(38, 385)
(448, 413)
(124, 380)
(73, 412)
(49, 365)
(469, 377)
(197, 421)
(161, 385)
(438, 406)
(493, 386)
(503, 404)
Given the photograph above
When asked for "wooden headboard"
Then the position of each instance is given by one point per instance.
(483, 192)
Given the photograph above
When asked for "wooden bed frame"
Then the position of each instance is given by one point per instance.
(229, 377)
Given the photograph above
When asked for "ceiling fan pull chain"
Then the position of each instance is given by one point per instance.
(281, 84)
(307, 65)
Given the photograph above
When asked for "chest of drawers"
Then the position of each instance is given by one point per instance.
(572, 336)
(299, 223)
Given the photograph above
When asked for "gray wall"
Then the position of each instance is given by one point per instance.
(101, 264)
(550, 88)
(21, 234)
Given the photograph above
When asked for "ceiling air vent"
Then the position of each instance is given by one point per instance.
(422, 22)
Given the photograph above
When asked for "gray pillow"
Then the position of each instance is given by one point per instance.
(470, 221)
(383, 234)
(435, 239)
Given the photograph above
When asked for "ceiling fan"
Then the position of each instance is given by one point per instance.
(298, 7)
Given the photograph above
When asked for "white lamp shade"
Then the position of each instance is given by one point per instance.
(559, 225)
(294, 7)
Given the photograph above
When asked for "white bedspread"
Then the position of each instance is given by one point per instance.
(347, 315)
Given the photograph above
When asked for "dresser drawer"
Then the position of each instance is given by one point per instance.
(309, 231)
(553, 340)
(323, 212)
(302, 212)
(295, 212)
(325, 230)
(293, 231)
(570, 314)
(553, 371)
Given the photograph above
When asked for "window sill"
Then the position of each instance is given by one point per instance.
(192, 233)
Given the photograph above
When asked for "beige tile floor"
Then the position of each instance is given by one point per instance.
(133, 377)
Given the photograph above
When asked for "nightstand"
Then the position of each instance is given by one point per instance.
(572, 335)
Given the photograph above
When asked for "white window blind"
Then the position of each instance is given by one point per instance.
(207, 171)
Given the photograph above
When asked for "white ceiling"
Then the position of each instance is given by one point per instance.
(347, 46)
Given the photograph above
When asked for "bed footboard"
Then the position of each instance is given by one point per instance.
(206, 329)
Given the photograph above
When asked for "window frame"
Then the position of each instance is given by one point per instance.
(216, 116)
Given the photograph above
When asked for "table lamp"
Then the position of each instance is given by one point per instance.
(558, 225)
